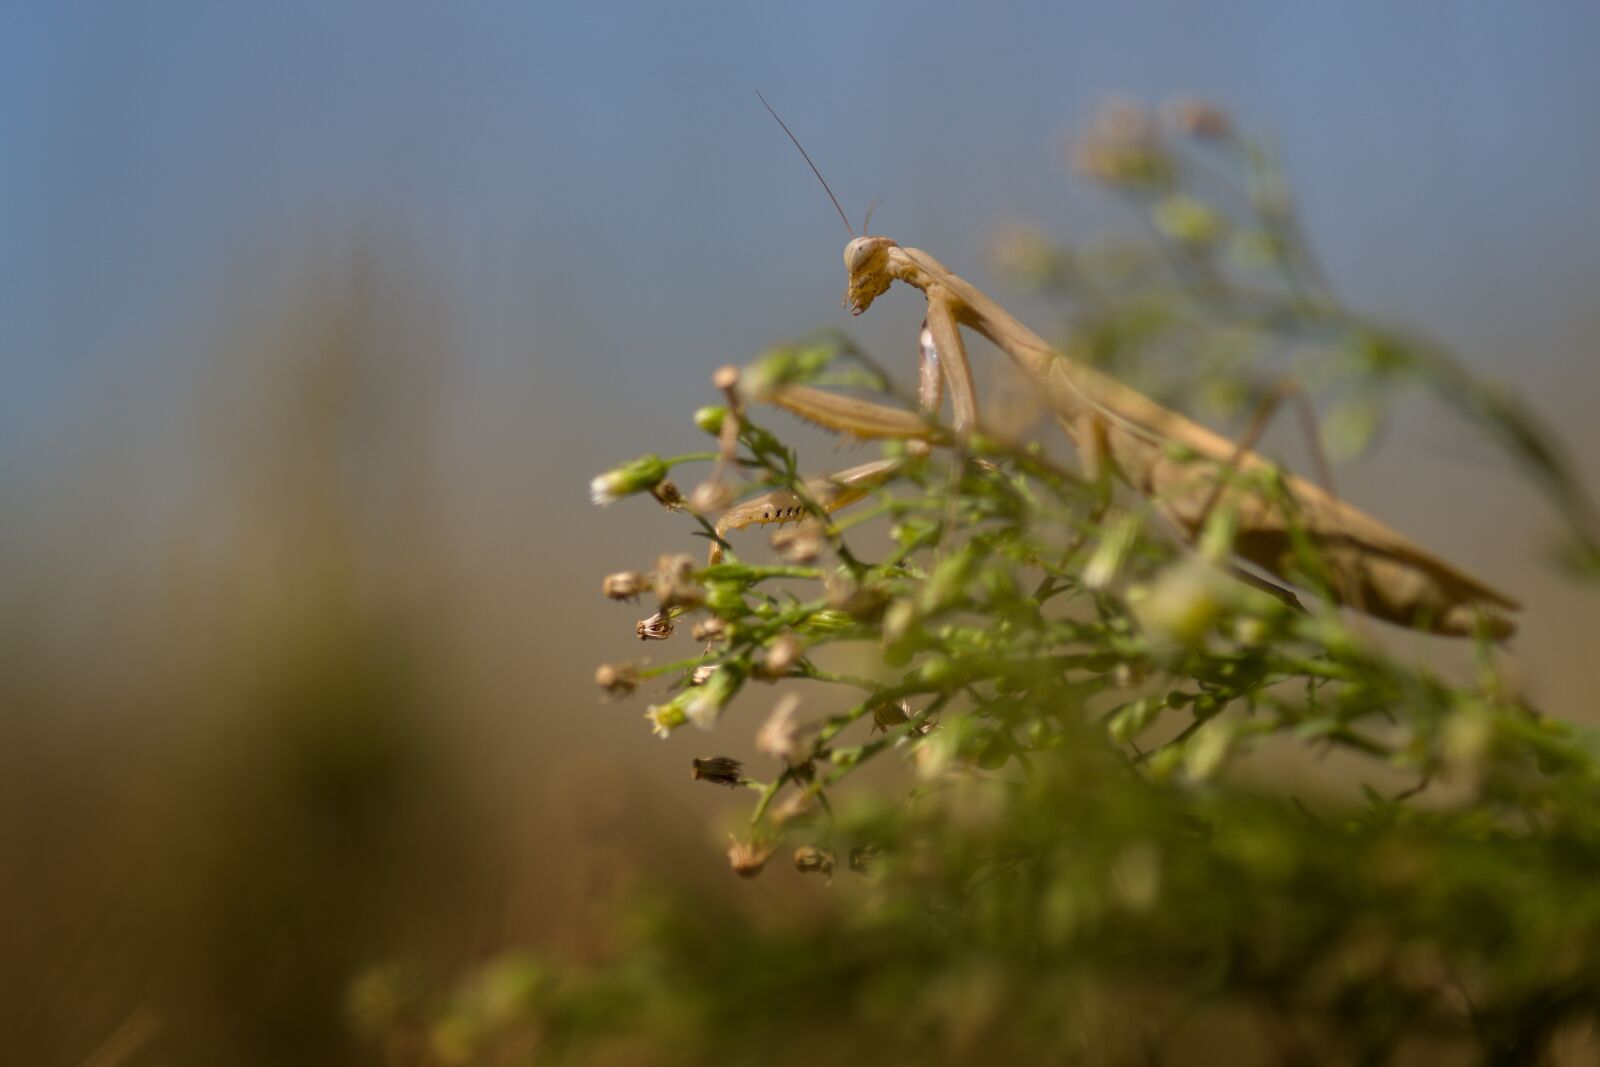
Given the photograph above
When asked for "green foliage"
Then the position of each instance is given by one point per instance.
(1066, 869)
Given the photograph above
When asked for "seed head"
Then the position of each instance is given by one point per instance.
(809, 859)
(657, 627)
(668, 495)
(722, 770)
(674, 582)
(617, 679)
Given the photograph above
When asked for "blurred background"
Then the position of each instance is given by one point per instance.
(316, 319)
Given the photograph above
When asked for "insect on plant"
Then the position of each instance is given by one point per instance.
(1187, 471)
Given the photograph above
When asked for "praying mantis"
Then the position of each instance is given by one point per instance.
(1183, 468)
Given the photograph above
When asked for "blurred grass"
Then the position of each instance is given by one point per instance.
(249, 740)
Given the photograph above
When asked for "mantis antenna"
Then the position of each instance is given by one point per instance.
(812, 165)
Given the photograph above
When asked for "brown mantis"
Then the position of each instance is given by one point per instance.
(1120, 432)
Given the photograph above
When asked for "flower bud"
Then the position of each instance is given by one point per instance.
(710, 419)
(633, 477)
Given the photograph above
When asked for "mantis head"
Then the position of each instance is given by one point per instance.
(867, 260)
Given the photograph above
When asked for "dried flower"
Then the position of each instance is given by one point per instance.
(699, 675)
(748, 857)
(617, 679)
(657, 627)
(633, 477)
(668, 495)
(802, 543)
(1122, 146)
(809, 859)
(886, 717)
(864, 603)
(862, 857)
(781, 657)
(710, 498)
(797, 806)
(624, 585)
(710, 630)
(783, 736)
(1197, 118)
(723, 770)
(674, 582)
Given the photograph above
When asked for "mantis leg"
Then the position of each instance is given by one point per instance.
(930, 377)
(856, 417)
(829, 492)
(951, 353)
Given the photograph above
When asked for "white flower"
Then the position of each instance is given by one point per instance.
(664, 718)
(635, 476)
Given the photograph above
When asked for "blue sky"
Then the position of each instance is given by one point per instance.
(603, 212)
(595, 186)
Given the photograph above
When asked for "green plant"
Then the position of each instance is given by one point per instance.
(1067, 869)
